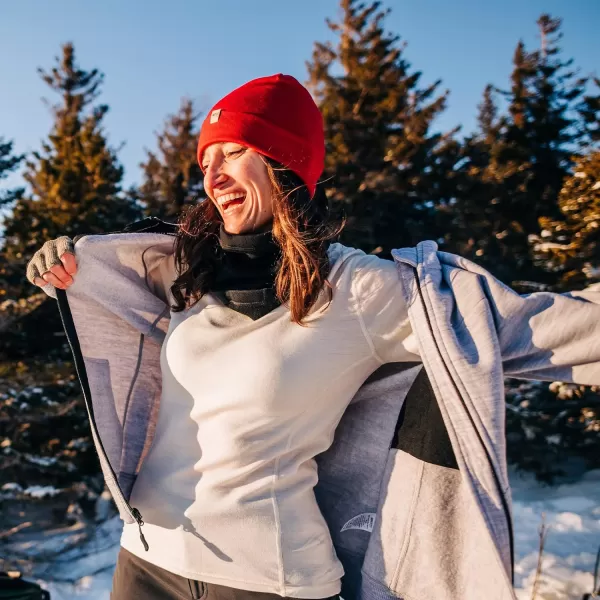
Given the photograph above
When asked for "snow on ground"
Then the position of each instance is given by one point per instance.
(573, 518)
(572, 513)
(95, 587)
(90, 566)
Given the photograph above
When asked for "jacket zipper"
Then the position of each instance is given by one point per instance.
(69, 326)
(489, 458)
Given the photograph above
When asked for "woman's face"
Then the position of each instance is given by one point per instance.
(237, 181)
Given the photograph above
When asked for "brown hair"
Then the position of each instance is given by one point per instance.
(302, 228)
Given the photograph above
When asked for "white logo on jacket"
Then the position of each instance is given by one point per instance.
(364, 521)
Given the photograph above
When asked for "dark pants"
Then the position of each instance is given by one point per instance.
(137, 579)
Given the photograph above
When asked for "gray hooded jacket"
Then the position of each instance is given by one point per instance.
(414, 488)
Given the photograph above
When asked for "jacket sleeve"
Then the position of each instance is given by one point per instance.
(547, 336)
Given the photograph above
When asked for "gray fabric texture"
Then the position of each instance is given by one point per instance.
(428, 523)
(470, 329)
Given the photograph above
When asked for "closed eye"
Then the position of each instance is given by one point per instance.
(230, 154)
(234, 153)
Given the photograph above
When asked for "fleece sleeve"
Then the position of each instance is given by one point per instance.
(161, 276)
(383, 310)
(548, 336)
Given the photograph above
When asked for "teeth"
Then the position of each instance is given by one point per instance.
(223, 200)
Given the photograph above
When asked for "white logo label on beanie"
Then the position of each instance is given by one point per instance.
(214, 115)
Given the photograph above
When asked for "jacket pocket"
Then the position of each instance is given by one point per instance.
(430, 540)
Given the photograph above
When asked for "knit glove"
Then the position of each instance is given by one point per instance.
(48, 256)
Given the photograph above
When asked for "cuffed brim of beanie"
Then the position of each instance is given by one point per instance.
(253, 131)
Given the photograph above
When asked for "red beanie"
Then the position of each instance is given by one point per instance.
(275, 116)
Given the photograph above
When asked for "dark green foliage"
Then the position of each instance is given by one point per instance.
(45, 434)
(516, 163)
(552, 428)
(172, 178)
(590, 115)
(472, 222)
(9, 162)
(385, 168)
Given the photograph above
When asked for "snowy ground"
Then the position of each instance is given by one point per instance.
(572, 513)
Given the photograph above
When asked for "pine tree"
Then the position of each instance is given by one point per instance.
(74, 188)
(172, 177)
(9, 162)
(529, 156)
(570, 246)
(509, 188)
(471, 217)
(384, 166)
(590, 116)
(487, 222)
(545, 129)
(75, 178)
(558, 91)
(487, 117)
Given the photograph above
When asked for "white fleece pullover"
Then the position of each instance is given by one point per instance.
(226, 490)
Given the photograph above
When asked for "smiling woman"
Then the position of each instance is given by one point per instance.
(249, 192)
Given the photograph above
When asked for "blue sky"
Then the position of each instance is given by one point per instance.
(154, 52)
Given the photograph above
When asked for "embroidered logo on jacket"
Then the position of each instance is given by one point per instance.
(364, 521)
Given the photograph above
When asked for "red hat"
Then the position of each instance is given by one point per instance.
(275, 116)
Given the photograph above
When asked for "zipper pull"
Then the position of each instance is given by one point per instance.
(138, 517)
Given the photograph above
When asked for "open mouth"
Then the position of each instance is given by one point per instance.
(230, 202)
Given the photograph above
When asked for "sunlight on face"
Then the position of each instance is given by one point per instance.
(237, 182)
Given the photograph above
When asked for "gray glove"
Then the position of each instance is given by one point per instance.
(48, 256)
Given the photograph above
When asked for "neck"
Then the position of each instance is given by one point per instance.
(254, 244)
(245, 277)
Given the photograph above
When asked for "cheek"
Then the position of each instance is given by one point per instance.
(266, 194)
(253, 172)
(265, 188)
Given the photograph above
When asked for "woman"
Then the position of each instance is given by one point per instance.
(273, 331)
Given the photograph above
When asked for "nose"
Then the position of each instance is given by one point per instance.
(214, 177)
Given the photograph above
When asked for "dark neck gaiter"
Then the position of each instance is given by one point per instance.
(246, 275)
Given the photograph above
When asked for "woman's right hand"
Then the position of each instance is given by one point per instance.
(54, 263)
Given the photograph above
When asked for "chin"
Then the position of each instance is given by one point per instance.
(236, 228)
